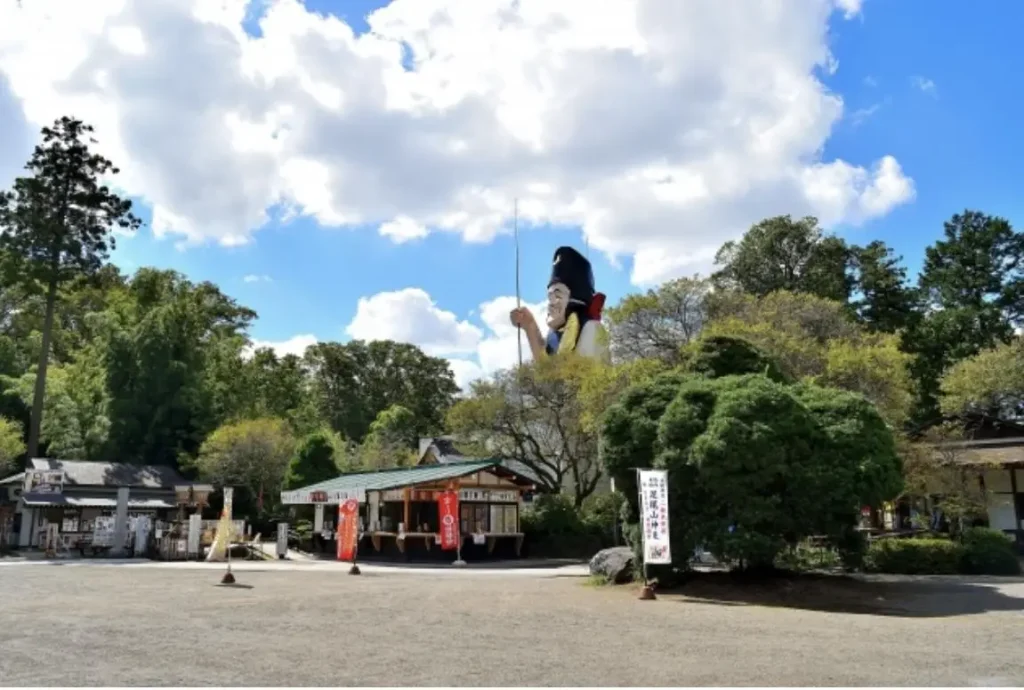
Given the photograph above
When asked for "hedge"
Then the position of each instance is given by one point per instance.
(982, 551)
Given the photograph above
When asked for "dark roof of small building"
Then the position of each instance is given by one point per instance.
(399, 477)
(13, 479)
(112, 474)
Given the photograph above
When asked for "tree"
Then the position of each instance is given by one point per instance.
(883, 300)
(279, 387)
(816, 340)
(354, 382)
(717, 356)
(754, 465)
(972, 283)
(537, 416)
(253, 453)
(784, 254)
(655, 325)
(314, 461)
(390, 441)
(991, 382)
(12, 445)
(57, 224)
(171, 349)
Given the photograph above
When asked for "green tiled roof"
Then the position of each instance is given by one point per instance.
(381, 480)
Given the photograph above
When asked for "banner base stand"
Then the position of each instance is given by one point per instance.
(228, 578)
(354, 570)
(647, 593)
(459, 563)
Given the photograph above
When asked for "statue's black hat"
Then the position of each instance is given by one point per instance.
(574, 271)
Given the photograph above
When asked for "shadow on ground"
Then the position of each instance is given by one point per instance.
(906, 597)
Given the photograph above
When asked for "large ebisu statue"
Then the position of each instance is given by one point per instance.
(574, 311)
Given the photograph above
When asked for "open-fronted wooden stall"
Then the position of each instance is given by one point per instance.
(399, 514)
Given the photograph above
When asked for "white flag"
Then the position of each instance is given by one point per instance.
(654, 515)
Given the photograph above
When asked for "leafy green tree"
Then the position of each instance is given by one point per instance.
(280, 387)
(253, 453)
(754, 465)
(656, 324)
(56, 224)
(538, 415)
(973, 286)
(816, 340)
(12, 445)
(991, 382)
(717, 356)
(883, 300)
(315, 460)
(354, 382)
(784, 254)
(163, 346)
(390, 441)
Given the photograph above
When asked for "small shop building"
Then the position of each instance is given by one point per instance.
(73, 494)
(399, 515)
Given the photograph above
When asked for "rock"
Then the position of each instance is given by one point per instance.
(615, 563)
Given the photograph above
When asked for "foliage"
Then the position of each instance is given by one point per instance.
(656, 324)
(934, 465)
(354, 382)
(989, 552)
(883, 301)
(754, 465)
(12, 445)
(915, 557)
(991, 382)
(538, 416)
(253, 453)
(554, 526)
(166, 373)
(814, 339)
(390, 440)
(314, 461)
(807, 556)
(56, 224)
(972, 283)
(716, 356)
(784, 254)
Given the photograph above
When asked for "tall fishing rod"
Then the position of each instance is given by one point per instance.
(515, 232)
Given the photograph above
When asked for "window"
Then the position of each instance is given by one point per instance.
(474, 518)
(503, 519)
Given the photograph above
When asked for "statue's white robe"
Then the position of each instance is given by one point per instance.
(593, 341)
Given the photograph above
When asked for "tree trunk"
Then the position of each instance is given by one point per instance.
(35, 423)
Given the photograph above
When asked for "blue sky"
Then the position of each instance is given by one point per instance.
(927, 83)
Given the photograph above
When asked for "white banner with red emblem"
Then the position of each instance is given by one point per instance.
(654, 516)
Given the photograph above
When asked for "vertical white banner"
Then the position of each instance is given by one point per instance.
(195, 532)
(282, 539)
(654, 515)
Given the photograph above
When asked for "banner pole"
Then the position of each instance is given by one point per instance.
(354, 570)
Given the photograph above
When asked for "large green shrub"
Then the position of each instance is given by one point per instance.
(915, 557)
(554, 528)
(989, 552)
(754, 465)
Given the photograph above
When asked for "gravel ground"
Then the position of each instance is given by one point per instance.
(111, 625)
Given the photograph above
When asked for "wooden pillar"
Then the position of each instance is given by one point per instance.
(408, 507)
(1017, 535)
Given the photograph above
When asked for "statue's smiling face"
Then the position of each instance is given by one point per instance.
(558, 302)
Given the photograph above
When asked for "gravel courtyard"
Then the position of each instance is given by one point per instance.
(111, 625)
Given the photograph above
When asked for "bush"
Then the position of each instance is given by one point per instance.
(554, 528)
(915, 557)
(989, 552)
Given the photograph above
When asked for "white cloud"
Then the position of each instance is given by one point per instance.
(924, 85)
(410, 316)
(663, 128)
(870, 81)
(296, 345)
(257, 278)
(403, 229)
(857, 117)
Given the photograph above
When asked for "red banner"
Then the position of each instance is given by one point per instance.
(448, 510)
(348, 529)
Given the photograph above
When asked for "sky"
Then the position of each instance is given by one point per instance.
(351, 169)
